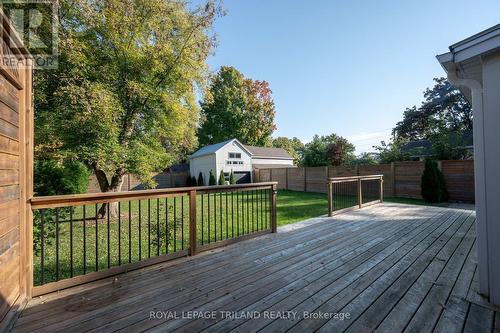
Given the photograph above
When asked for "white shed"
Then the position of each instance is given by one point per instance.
(232, 155)
(473, 65)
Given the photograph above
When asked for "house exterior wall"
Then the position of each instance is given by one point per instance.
(489, 175)
(261, 160)
(203, 164)
(223, 158)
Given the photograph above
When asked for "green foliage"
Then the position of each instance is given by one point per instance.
(328, 150)
(365, 158)
(54, 178)
(201, 181)
(237, 107)
(433, 184)
(391, 152)
(193, 181)
(122, 100)
(211, 178)
(232, 178)
(444, 118)
(222, 178)
(293, 146)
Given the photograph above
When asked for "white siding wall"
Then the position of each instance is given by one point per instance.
(489, 177)
(223, 157)
(257, 160)
(203, 164)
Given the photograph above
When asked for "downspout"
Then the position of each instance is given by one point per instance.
(480, 176)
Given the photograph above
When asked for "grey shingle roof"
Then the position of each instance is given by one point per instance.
(268, 152)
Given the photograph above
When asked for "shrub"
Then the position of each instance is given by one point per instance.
(433, 185)
(211, 178)
(232, 178)
(222, 178)
(188, 181)
(55, 178)
(193, 181)
(201, 181)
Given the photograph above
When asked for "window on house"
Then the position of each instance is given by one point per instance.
(234, 155)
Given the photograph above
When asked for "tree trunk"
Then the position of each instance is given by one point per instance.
(114, 186)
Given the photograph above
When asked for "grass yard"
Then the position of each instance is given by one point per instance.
(298, 206)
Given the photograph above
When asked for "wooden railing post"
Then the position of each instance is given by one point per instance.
(274, 220)
(192, 222)
(330, 198)
(360, 194)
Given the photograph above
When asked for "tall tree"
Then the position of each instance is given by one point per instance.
(328, 150)
(293, 146)
(123, 99)
(444, 107)
(236, 107)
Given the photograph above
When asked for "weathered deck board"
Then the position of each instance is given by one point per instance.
(392, 267)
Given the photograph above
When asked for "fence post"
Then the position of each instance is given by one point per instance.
(192, 222)
(381, 189)
(330, 198)
(274, 221)
(305, 179)
(393, 179)
(360, 194)
(286, 178)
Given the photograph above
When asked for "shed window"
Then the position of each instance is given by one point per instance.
(234, 155)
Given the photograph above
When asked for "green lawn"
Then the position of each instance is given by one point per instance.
(130, 238)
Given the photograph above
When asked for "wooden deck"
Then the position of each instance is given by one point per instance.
(388, 267)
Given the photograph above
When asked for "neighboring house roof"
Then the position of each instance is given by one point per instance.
(423, 147)
(266, 152)
(262, 152)
(211, 149)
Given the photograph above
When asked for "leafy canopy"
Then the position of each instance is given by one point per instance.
(293, 146)
(236, 107)
(328, 150)
(123, 98)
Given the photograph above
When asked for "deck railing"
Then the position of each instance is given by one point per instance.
(80, 238)
(351, 192)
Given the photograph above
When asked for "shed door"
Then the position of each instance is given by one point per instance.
(242, 177)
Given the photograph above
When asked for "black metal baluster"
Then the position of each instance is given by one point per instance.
(238, 212)
(227, 229)
(202, 218)
(215, 215)
(182, 222)
(242, 213)
(42, 245)
(149, 228)
(140, 232)
(220, 214)
(71, 241)
(119, 233)
(166, 224)
(248, 212)
(96, 239)
(257, 199)
(109, 245)
(208, 215)
(57, 244)
(175, 224)
(158, 225)
(84, 240)
(253, 218)
(232, 214)
(129, 232)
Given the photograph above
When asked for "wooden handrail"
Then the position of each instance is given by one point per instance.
(89, 198)
(349, 178)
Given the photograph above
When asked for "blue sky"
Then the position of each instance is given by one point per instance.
(345, 67)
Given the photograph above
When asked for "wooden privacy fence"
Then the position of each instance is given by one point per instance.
(401, 179)
(346, 193)
(80, 238)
